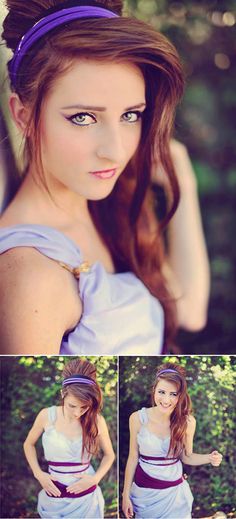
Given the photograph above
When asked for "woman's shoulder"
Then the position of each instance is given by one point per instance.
(42, 417)
(50, 413)
(191, 422)
(26, 261)
(33, 294)
(138, 418)
(25, 266)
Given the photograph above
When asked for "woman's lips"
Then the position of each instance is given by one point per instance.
(104, 174)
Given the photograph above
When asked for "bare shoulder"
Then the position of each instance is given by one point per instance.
(191, 423)
(101, 422)
(34, 292)
(41, 420)
(25, 272)
(42, 417)
(38, 427)
(24, 261)
(134, 421)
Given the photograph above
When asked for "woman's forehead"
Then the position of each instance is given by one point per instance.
(71, 399)
(98, 84)
(167, 385)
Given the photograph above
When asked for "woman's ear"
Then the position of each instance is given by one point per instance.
(20, 113)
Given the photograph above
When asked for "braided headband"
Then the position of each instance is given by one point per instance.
(78, 379)
(48, 23)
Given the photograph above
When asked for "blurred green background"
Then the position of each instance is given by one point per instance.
(211, 384)
(205, 36)
(29, 384)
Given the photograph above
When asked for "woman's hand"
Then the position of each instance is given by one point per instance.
(127, 507)
(85, 481)
(183, 169)
(46, 481)
(215, 458)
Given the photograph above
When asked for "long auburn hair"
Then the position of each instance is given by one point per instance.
(131, 231)
(183, 409)
(90, 396)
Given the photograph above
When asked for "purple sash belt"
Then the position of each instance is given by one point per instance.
(144, 480)
(67, 464)
(146, 459)
(63, 487)
(64, 492)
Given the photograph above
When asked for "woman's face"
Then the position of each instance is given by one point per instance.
(166, 396)
(91, 127)
(73, 407)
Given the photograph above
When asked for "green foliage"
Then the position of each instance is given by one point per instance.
(211, 384)
(29, 384)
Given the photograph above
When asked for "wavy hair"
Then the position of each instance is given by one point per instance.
(179, 416)
(131, 232)
(90, 396)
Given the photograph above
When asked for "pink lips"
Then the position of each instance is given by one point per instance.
(105, 174)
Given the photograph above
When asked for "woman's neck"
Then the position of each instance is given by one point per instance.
(69, 420)
(158, 416)
(34, 204)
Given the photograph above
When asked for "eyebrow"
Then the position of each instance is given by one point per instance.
(100, 108)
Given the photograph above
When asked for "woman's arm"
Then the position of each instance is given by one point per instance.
(187, 267)
(106, 446)
(134, 427)
(191, 458)
(38, 303)
(35, 432)
(86, 480)
(215, 458)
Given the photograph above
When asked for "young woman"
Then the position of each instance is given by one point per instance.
(161, 438)
(71, 434)
(94, 95)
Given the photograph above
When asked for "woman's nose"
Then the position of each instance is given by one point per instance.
(166, 399)
(111, 146)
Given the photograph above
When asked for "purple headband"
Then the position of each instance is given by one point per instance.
(48, 23)
(169, 370)
(78, 379)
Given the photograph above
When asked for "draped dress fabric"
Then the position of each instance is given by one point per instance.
(58, 448)
(119, 316)
(169, 503)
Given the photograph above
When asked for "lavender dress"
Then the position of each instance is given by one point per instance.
(119, 317)
(169, 503)
(58, 448)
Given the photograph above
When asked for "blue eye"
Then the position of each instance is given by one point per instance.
(132, 117)
(82, 119)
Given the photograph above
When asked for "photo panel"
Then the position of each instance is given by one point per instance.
(58, 405)
(178, 415)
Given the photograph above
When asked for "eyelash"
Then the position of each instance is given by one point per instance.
(73, 117)
(162, 393)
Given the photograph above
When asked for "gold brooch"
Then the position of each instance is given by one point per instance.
(84, 267)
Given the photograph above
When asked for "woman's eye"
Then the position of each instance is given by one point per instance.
(82, 119)
(132, 117)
